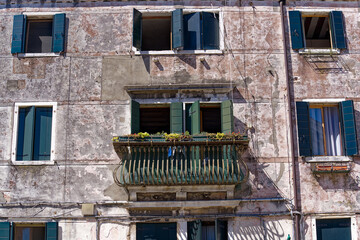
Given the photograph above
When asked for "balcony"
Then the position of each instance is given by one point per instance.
(152, 161)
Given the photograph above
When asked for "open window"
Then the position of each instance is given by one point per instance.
(29, 231)
(178, 117)
(207, 230)
(333, 229)
(156, 231)
(38, 34)
(326, 129)
(317, 30)
(175, 30)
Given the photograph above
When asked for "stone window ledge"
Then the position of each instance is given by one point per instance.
(324, 159)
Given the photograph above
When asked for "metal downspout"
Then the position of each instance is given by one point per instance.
(285, 44)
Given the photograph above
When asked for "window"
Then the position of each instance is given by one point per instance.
(326, 129)
(333, 229)
(317, 30)
(29, 231)
(168, 31)
(207, 230)
(175, 117)
(156, 231)
(38, 34)
(33, 131)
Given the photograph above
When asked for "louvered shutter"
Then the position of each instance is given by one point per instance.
(18, 36)
(348, 127)
(135, 117)
(5, 231)
(176, 117)
(42, 139)
(296, 30)
(58, 34)
(177, 29)
(221, 229)
(137, 29)
(195, 118)
(303, 124)
(25, 137)
(210, 30)
(194, 230)
(227, 118)
(192, 31)
(51, 231)
(337, 29)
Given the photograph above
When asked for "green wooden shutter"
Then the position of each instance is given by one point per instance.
(25, 138)
(51, 231)
(137, 29)
(135, 117)
(58, 34)
(5, 231)
(348, 127)
(210, 30)
(42, 139)
(176, 117)
(192, 31)
(227, 118)
(296, 30)
(303, 123)
(194, 230)
(18, 36)
(195, 118)
(337, 29)
(177, 29)
(221, 229)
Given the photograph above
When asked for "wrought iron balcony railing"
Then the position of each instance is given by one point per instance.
(197, 162)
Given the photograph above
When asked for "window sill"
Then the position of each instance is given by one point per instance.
(172, 52)
(29, 55)
(322, 159)
(33, 163)
(308, 51)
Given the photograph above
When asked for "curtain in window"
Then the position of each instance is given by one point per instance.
(332, 131)
(317, 137)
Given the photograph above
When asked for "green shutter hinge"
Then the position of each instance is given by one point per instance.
(288, 237)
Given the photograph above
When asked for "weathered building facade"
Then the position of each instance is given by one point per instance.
(78, 77)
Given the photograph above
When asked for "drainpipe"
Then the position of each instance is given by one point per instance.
(285, 44)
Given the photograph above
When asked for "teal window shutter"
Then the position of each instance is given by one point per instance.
(156, 231)
(51, 231)
(210, 30)
(137, 29)
(296, 30)
(25, 138)
(177, 29)
(195, 118)
(5, 231)
(176, 117)
(221, 229)
(135, 117)
(19, 33)
(337, 29)
(303, 124)
(192, 31)
(227, 117)
(42, 138)
(58, 34)
(194, 230)
(348, 127)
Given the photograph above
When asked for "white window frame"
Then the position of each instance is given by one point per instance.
(39, 15)
(354, 234)
(15, 133)
(186, 11)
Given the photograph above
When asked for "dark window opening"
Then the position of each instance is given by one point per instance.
(23, 232)
(210, 119)
(156, 231)
(154, 120)
(208, 231)
(156, 33)
(333, 229)
(39, 36)
(317, 34)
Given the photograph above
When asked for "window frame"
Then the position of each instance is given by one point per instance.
(39, 16)
(15, 133)
(354, 234)
(186, 11)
